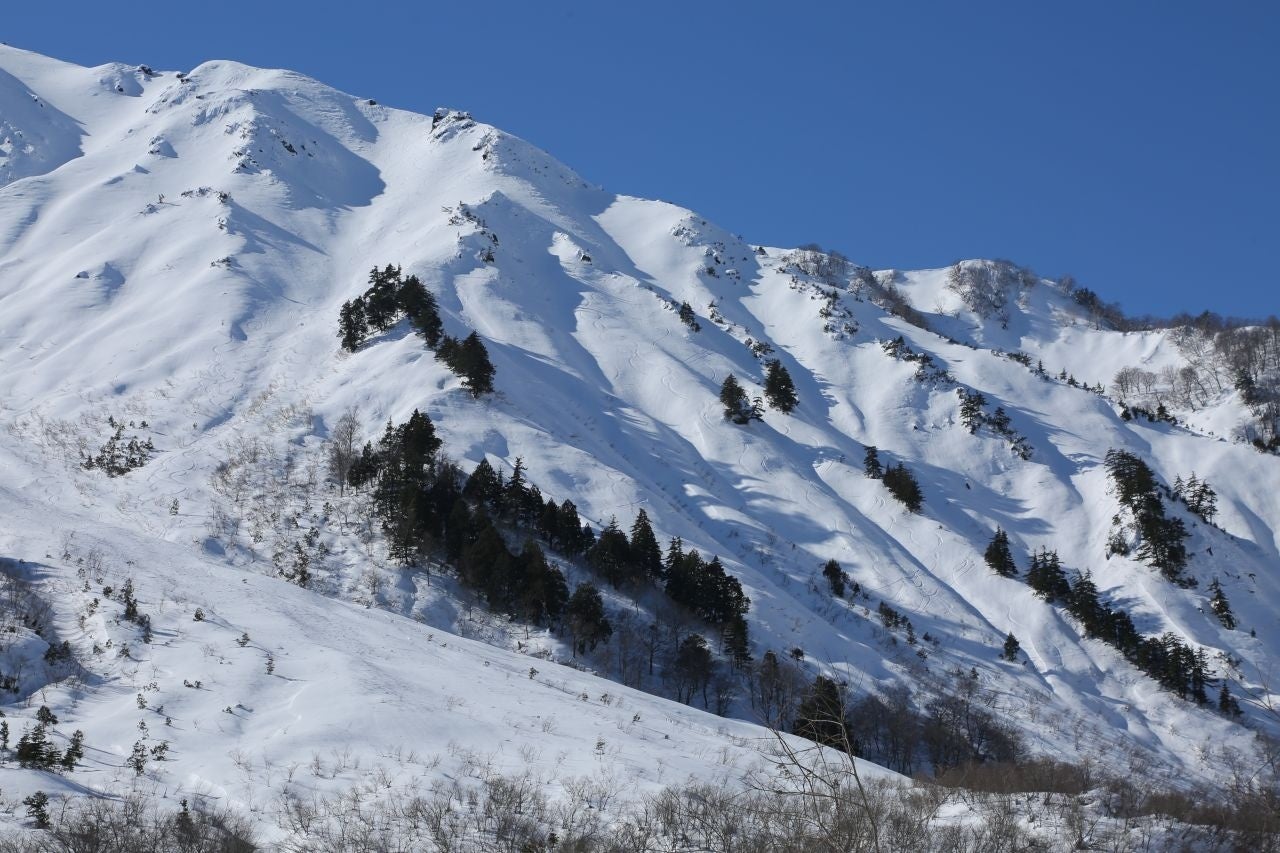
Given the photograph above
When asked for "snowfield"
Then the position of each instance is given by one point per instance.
(174, 250)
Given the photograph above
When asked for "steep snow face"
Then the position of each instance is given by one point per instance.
(174, 249)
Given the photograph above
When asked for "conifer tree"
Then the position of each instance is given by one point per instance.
(1227, 703)
(475, 368)
(585, 616)
(1047, 578)
(999, 557)
(734, 399)
(611, 555)
(821, 716)
(382, 303)
(835, 578)
(423, 312)
(352, 326)
(779, 390)
(902, 484)
(871, 463)
(688, 317)
(1011, 648)
(971, 409)
(646, 554)
(1220, 606)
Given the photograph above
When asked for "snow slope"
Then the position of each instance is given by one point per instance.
(174, 248)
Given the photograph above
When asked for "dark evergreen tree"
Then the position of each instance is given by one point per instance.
(737, 407)
(1227, 703)
(1047, 578)
(1220, 606)
(484, 486)
(38, 809)
(1162, 545)
(779, 390)
(902, 484)
(352, 326)
(692, 668)
(382, 303)
(75, 751)
(541, 594)
(822, 716)
(578, 537)
(1084, 603)
(585, 616)
(835, 578)
(34, 749)
(871, 463)
(971, 404)
(688, 317)
(1011, 648)
(611, 555)
(423, 312)
(470, 360)
(736, 641)
(999, 556)
(646, 554)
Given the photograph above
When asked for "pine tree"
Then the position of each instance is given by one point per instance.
(475, 368)
(688, 318)
(734, 399)
(692, 667)
(611, 555)
(999, 557)
(971, 409)
(352, 326)
(75, 751)
(381, 300)
(646, 554)
(871, 463)
(1011, 648)
(1227, 703)
(38, 809)
(420, 306)
(835, 578)
(1220, 606)
(779, 390)
(588, 624)
(821, 716)
(902, 484)
(1047, 578)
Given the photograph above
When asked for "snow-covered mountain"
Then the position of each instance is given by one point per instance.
(174, 252)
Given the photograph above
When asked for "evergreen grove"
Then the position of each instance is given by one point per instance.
(391, 296)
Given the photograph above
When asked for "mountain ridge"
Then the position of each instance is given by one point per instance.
(260, 199)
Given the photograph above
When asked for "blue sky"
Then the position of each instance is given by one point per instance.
(1133, 145)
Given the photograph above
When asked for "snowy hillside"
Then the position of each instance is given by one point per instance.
(175, 249)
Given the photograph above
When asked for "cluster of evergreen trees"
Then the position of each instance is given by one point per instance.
(1163, 539)
(1198, 495)
(898, 479)
(953, 730)
(391, 296)
(699, 585)
(427, 506)
(1166, 658)
(116, 456)
(973, 415)
(35, 750)
(779, 390)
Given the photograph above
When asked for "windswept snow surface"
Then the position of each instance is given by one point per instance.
(175, 247)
